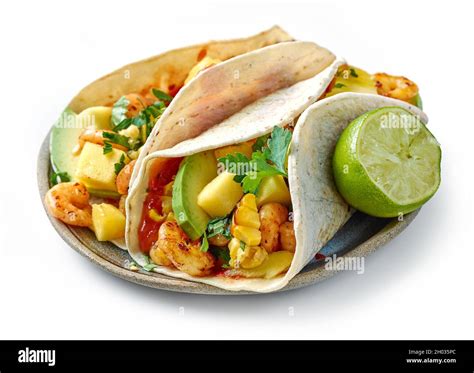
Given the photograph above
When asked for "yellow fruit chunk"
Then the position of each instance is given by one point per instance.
(275, 263)
(244, 148)
(273, 189)
(250, 236)
(219, 197)
(247, 217)
(96, 116)
(95, 169)
(154, 215)
(201, 65)
(108, 222)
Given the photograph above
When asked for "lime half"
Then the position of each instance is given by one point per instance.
(386, 163)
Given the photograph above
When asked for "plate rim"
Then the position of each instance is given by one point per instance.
(163, 282)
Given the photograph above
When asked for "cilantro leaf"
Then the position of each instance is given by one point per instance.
(124, 124)
(262, 168)
(353, 73)
(107, 147)
(59, 177)
(260, 143)
(339, 85)
(222, 254)
(278, 147)
(119, 110)
(121, 164)
(219, 226)
(117, 139)
(204, 243)
(237, 164)
(160, 95)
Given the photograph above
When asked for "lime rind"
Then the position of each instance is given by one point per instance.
(389, 173)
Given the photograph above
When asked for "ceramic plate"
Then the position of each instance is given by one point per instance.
(360, 236)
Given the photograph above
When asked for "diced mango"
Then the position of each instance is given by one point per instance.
(108, 222)
(96, 116)
(219, 197)
(249, 200)
(201, 65)
(247, 217)
(250, 236)
(275, 263)
(95, 169)
(244, 148)
(273, 189)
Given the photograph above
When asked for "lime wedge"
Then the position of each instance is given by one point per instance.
(386, 163)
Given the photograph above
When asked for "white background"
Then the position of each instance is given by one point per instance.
(418, 286)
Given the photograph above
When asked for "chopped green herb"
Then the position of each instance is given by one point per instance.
(149, 267)
(339, 85)
(119, 110)
(250, 172)
(204, 243)
(160, 95)
(242, 245)
(353, 73)
(278, 147)
(238, 164)
(124, 124)
(222, 254)
(260, 143)
(121, 164)
(107, 147)
(219, 226)
(59, 177)
(118, 139)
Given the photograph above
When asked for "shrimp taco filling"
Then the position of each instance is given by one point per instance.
(221, 212)
(93, 155)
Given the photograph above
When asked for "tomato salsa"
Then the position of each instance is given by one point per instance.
(162, 173)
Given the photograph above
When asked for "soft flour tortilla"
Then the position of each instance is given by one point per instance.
(167, 69)
(319, 210)
(228, 87)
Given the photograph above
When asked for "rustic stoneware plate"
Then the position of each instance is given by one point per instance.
(360, 236)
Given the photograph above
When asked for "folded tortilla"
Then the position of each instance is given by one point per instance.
(168, 69)
(318, 209)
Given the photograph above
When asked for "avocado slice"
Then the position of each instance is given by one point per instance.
(63, 139)
(194, 173)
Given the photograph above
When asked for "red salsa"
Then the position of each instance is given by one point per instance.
(161, 173)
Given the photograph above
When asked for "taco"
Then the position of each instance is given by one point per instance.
(100, 140)
(245, 208)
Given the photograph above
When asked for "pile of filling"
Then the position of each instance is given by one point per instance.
(93, 154)
(222, 212)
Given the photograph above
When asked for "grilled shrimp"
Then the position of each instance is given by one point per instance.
(287, 236)
(158, 256)
(397, 87)
(94, 136)
(123, 178)
(69, 202)
(137, 103)
(184, 253)
(272, 215)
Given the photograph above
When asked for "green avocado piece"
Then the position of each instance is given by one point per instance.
(63, 139)
(194, 173)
